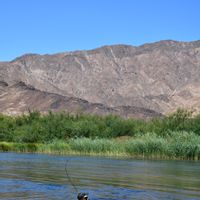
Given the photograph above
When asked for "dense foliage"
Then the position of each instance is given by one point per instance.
(174, 136)
(37, 128)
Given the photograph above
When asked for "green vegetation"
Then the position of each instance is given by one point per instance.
(176, 136)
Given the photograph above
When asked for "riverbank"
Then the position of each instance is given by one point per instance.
(177, 145)
(176, 136)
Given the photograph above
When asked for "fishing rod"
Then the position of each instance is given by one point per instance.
(80, 196)
(69, 178)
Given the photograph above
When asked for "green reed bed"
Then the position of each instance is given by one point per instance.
(176, 145)
(176, 136)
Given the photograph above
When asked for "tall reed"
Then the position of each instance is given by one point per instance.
(176, 145)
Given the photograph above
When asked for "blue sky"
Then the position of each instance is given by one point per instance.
(50, 26)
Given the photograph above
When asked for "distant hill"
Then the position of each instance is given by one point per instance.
(144, 81)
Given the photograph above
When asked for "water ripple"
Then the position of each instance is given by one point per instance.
(34, 176)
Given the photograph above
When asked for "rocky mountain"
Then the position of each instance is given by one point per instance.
(143, 81)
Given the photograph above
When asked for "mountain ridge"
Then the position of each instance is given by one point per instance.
(160, 76)
(165, 42)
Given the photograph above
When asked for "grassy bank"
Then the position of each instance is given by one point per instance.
(177, 145)
(172, 137)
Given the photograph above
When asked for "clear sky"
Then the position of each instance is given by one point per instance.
(50, 26)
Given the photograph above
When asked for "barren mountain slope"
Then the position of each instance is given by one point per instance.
(20, 98)
(160, 76)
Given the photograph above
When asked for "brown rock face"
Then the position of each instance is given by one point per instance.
(130, 81)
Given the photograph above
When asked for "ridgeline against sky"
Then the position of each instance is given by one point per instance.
(141, 81)
(45, 26)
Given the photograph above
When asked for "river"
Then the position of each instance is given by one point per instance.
(40, 176)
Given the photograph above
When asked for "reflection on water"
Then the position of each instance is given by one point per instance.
(34, 176)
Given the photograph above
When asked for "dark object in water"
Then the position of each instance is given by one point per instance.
(82, 196)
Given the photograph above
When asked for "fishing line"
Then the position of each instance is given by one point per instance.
(69, 178)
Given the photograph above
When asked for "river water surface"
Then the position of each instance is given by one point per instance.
(37, 176)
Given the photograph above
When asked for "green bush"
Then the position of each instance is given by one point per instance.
(4, 146)
(37, 128)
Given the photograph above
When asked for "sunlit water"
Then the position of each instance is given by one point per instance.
(34, 176)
